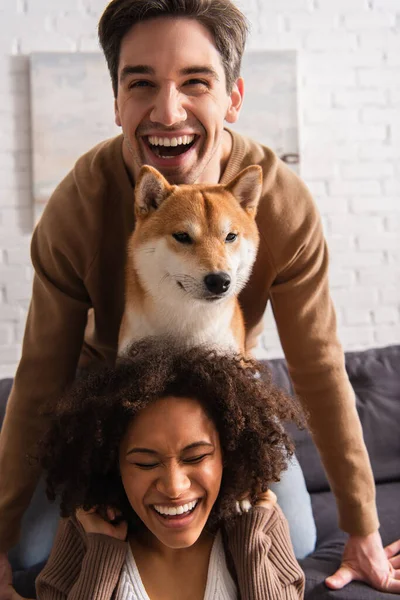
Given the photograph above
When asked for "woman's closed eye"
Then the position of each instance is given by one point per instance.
(146, 465)
(196, 459)
(191, 460)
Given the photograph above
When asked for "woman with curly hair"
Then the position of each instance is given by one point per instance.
(163, 465)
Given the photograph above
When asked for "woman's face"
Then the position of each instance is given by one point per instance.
(171, 469)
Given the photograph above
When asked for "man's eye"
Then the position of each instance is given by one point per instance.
(139, 84)
(196, 459)
(197, 82)
(182, 237)
(231, 237)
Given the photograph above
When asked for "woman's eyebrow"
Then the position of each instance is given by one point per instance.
(189, 447)
(141, 450)
(197, 444)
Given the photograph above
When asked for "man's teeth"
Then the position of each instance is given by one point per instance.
(175, 510)
(176, 141)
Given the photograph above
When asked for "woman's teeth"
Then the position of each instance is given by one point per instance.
(172, 511)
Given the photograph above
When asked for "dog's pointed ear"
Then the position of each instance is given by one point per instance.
(247, 187)
(150, 190)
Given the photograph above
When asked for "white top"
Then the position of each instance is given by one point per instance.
(220, 585)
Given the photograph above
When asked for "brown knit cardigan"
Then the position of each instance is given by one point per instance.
(257, 545)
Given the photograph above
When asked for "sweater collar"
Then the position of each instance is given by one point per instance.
(235, 160)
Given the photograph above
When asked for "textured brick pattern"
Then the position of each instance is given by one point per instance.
(349, 80)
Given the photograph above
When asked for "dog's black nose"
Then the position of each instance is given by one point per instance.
(217, 283)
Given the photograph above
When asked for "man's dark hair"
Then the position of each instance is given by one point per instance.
(80, 452)
(222, 18)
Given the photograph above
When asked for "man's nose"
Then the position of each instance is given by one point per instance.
(168, 109)
(173, 482)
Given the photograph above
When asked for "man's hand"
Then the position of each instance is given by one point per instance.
(365, 559)
(7, 591)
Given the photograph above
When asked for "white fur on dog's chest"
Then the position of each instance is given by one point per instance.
(200, 325)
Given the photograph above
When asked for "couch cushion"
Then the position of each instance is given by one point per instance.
(330, 543)
(375, 377)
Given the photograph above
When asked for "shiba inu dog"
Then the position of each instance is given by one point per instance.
(189, 256)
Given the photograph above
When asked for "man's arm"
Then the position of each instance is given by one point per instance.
(52, 344)
(306, 323)
(307, 327)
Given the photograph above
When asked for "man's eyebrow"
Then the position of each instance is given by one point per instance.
(135, 70)
(146, 70)
(153, 452)
(200, 70)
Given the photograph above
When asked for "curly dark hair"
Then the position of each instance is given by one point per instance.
(80, 450)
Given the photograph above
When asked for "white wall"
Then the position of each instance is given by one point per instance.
(350, 144)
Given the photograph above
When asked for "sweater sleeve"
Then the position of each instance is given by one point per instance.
(306, 322)
(51, 348)
(262, 553)
(81, 567)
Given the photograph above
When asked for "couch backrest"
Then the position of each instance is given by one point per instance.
(375, 377)
(5, 388)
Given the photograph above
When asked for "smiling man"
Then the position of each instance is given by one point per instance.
(175, 70)
(171, 100)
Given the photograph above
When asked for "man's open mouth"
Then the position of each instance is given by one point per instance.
(169, 147)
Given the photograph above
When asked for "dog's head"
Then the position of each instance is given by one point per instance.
(195, 241)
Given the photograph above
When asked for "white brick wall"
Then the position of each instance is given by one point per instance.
(349, 63)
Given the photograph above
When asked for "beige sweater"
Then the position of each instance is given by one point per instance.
(78, 251)
(257, 546)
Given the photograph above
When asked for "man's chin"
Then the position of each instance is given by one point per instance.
(177, 175)
(183, 168)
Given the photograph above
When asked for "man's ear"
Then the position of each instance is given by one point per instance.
(117, 118)
(236, 101)
(246, 187)
(150, 190)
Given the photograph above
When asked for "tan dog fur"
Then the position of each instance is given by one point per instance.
(166, 293)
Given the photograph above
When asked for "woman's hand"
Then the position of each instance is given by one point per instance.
(265, 499)
(92, 522)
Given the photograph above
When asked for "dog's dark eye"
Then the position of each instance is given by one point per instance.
(182, 238)
(231, 237)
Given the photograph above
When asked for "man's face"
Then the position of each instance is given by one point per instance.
(172, 100)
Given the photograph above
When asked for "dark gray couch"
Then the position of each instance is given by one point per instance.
(375, 376)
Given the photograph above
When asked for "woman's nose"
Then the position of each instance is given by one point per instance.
(168, 109)
(174, 482)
